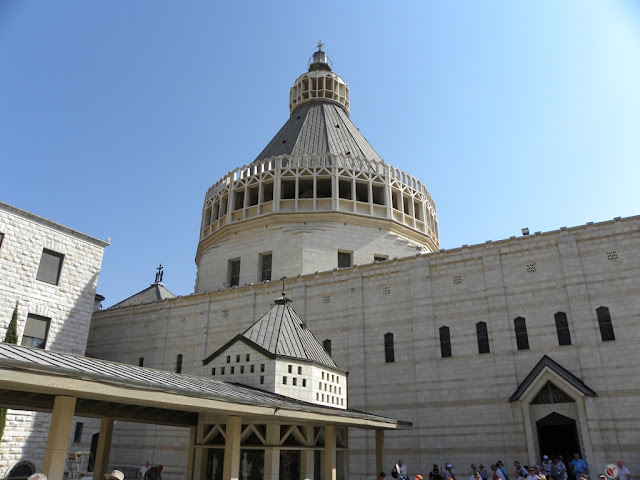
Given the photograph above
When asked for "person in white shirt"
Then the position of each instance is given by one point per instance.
(402, 470)
(144, 469)
(532, 474)
(623, 472)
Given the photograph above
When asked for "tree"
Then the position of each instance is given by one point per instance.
(10, 337)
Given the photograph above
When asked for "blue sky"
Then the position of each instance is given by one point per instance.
(116, 117)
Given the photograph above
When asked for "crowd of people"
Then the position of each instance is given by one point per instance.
(549, 469)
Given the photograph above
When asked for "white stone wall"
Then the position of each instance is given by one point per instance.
(460, 405)
(297, 248)
(69, 305)
(232, 366)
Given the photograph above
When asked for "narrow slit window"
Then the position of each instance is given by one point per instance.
(445, 342)
(562, 329)
(606, 326)
(522, 338)
(483, 337)
(389, 354)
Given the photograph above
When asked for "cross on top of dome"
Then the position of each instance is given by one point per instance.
(319, 60)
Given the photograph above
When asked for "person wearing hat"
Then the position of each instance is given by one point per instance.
(483, 472)
(546, 466)
(623, 472)
(115, 475)
(448, 472)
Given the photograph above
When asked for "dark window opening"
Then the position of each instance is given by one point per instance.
(305, 188)
(562, 329)
(223, 207)
(606, 326)
(522, 338)
(265, 267)
(483, 337)
(323, 188)
(247, 357)
(262, 367)
(213, 371)
(233, 370)
(344, 259)
(380, 258)
(242, 369)
(395, 196)
(179, 363)
(405, 204)
(252, 368)
(228, 358)
(417, 210)
(344, 187)
(326, 344)
(362, 192)
(378, 195)
(77, 435)
(237, 358)
(50, 267)
(253, 196)
(288, 189)
(238, 201)
(234, 273)
(1, 239)
(267, 192)
(141, 362)
(445, 342)
(261, 380)
(389, 354)
(36, 330)
(222, 369)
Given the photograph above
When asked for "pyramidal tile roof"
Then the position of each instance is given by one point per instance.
(157, 291)
(281, 332)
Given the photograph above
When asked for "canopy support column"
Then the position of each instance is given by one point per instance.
(231, 467)
(104, 447)
(55, 454)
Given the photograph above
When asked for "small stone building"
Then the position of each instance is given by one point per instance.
(49, 272)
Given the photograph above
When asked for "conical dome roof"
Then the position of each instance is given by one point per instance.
(319, 128)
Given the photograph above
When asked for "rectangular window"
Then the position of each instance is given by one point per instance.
(380, 258)
(267, 192)
(1, 239)
(50, 267)
(295, 381)
(344, 188)
(242, 369)
(77, 436)
(445, 342)
(233, 370)
(234, 273)
(261, 380)
(222, 369)
(344, 259)
(247, 357)
(304, 382)
(228, 358)
(237, 358)
(262, 367)
(483, 337)
(290, 368)
(265, 266)
(284, 380)
(179, 363)
(35, 331)
(299, 370)
(252, 368)
(141, 362)
(389, 354)
(213, 371)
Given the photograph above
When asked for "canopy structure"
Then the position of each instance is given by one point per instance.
(68, 385)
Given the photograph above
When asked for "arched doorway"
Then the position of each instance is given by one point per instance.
(21, 470)
(558, 435)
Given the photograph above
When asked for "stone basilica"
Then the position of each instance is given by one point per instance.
(510, 349)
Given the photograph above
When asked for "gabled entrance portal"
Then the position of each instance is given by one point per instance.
(558, 435)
